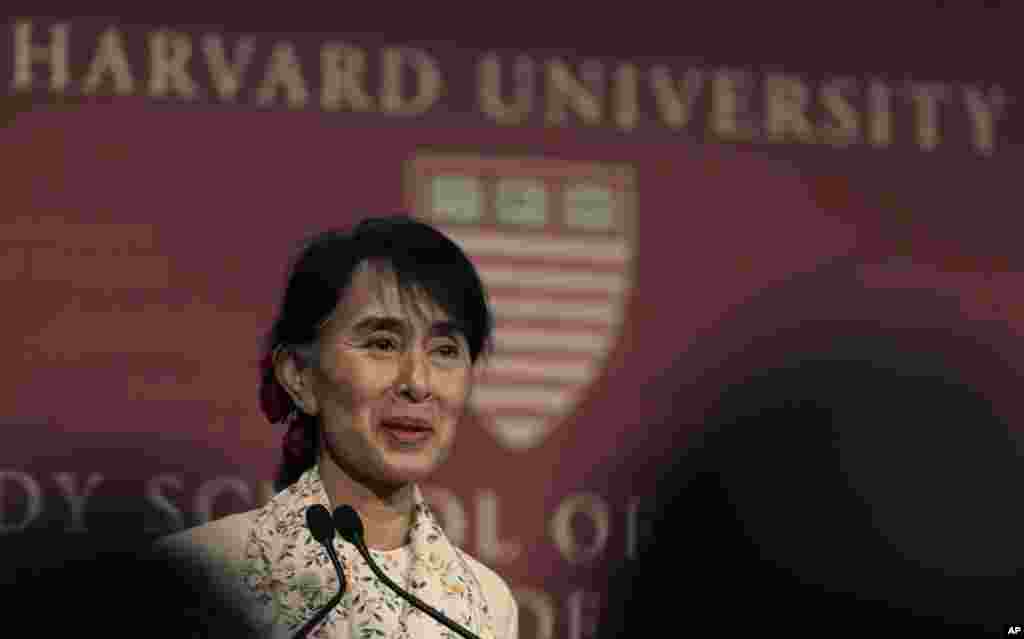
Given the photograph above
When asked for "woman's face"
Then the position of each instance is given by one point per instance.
(392, 382)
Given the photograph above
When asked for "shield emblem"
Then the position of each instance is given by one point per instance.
(554, 242)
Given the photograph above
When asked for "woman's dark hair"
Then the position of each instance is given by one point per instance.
(423, 260)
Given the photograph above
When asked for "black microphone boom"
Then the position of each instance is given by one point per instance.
(320, 524)
(350, 526)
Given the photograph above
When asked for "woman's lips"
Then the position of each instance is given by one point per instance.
(407, 431)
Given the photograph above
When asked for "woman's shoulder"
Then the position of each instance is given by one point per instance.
(202, 566)
(218, 540)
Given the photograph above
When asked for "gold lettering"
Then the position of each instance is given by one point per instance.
(283, 71)
(489, 92)
(33, 499)
(490, 547)
(110, 59)
(210, 491)
(584, 611)
(169, 54)
(77, 499)
(596, 510)
(984, 111)
(730, 100)
(675, 105)
(625, 89)
(227, 75)
(879, 114)
(158, 499)
(785, 109)
(926, 99)
(563, 91)
(343, 68)
(54, 53)
(844, 127)
(428, 81)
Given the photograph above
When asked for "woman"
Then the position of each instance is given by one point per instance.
(372, 359)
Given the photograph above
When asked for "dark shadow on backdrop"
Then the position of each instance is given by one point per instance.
(863, 489)
(106, 584)
(109, 581)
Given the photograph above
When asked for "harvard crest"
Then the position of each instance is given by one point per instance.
(554, 242)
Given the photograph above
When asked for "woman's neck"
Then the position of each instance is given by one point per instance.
(386, 512)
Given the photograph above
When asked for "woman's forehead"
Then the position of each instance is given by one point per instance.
(374, 291)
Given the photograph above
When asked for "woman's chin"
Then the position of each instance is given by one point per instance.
(410, 467)
(400, 475)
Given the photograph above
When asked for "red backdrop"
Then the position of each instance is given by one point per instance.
(144, 242)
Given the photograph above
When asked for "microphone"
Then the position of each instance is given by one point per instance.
(348, 523)
(318, 519)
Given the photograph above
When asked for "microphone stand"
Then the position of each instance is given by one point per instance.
(321, 526)
(350, 526)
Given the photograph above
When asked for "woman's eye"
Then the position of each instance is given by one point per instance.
(449, 351)
(384, 344)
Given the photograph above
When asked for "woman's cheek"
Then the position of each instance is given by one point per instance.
(449, 392)
(367, 379)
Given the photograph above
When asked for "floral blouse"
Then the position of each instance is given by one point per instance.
(267, 561)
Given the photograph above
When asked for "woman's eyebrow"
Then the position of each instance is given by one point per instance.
(443, 328)
(373, 323)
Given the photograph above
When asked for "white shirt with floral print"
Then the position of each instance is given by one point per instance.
(269, 563)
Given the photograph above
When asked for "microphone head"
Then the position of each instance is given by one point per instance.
(318, 519)
(349, 525)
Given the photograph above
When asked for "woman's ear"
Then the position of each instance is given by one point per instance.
(295, 377)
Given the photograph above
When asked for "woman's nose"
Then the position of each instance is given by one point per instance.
(414, 380)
